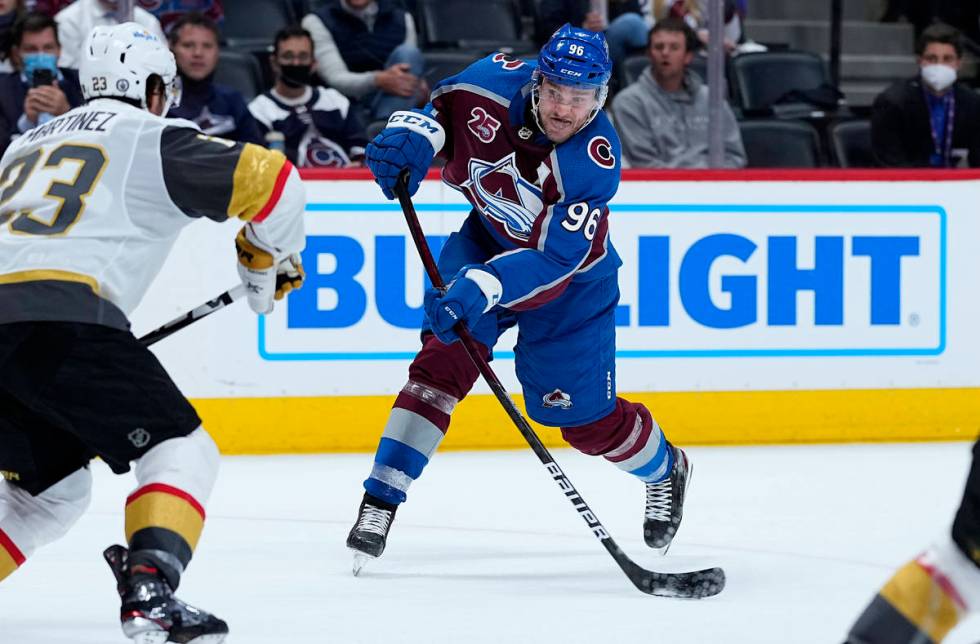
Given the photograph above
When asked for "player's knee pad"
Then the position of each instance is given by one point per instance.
(609, 432)
(628, 437)
(189, 463)
(34, 521)
(445, 367)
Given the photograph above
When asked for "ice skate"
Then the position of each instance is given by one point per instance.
(665, 504)
(369, 535)
(150, 613)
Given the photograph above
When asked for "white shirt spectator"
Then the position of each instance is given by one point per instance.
(76, 21)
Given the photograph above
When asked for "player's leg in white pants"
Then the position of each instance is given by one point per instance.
(165, 513)
(29, 522)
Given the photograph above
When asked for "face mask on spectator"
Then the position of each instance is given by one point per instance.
(35, 61)
(939, 77)
(296, 75)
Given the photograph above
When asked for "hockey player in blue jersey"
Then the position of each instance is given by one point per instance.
(530, 148)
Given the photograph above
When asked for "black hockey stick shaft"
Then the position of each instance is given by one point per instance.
(702, 583)
(192, 316)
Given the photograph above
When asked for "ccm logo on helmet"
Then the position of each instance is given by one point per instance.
(600, 151)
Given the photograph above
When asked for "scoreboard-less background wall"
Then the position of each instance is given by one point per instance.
(755, 307)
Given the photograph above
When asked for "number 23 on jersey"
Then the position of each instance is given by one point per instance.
(28, 174)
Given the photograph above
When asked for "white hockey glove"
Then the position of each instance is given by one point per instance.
(266, 280)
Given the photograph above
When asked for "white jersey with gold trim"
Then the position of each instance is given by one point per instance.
(92, 202)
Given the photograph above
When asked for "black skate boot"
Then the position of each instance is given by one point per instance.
(368, 536)
(665, 504)
(150, 613)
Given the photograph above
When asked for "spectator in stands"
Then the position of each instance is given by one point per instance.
(367, 50)
(169, 11)
(37, 90)
(318, 125)
(10, 11)
(76, 21)
(695, 13)
(930, 120)
(662, 119)
(626, 22)
(218, 110)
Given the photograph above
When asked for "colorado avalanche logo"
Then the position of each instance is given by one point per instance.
(510, 63)
(483, 125)
(557, 398)
(319, 152)
(600, 151)
(503, 195)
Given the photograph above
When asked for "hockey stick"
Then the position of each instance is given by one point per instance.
(692, 585)
(193, 316)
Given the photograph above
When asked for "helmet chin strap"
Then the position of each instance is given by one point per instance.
(537, 77)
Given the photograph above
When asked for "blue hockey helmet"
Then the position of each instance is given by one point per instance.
(578, 58)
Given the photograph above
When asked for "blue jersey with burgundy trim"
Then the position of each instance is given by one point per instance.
(545, 204)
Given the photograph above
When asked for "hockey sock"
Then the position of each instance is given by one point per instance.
(416, 425)
(439, 377)
(920, 603)
(629, 438)
(165, 514)
(163, 525)
(11, 557)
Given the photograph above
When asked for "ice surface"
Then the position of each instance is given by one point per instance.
(488, 550)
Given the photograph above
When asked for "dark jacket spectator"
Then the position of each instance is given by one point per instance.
(902, 135)
(319, 128)
(218, 110)
(10, 11)
(367, 50)
(930, 120)
(23, 100)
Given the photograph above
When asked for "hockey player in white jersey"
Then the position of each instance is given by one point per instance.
(90, 205)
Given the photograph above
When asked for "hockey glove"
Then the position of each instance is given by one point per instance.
(266, 280)
(410, 141)
(474, 291)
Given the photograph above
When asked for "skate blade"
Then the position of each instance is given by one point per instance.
(360, 560)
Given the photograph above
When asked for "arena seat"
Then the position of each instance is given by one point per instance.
(475, 25)
(851, 144)
(440, 64)
(764, 79)
(776, 143)
(252, 24)
(240, 71)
